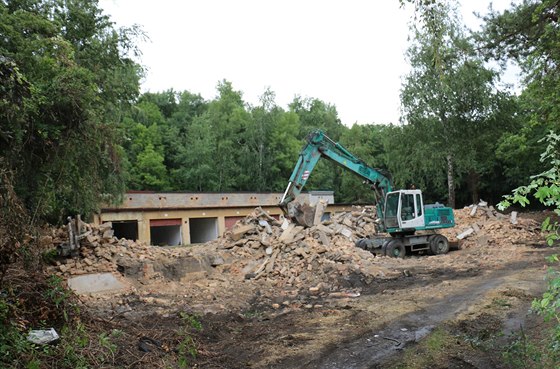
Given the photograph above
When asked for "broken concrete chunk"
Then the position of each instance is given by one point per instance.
(513, 217)
(324, 239)
(287, 234)
(473, 210)
(325, 229)
(482, 240)
(346, 233)
(217, 260)
(108, 234)
(464, 234)
(475, 227)
(319, 211)
(240, 231)
(105, 226)
(264, 223)
(285, 224)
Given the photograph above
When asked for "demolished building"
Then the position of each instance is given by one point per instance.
(182, 218)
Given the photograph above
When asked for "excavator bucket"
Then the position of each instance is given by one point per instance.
(304, 214)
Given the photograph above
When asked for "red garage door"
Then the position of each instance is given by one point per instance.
(164, 222)
(230, 221)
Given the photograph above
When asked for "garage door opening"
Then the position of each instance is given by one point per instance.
(165, 232)
(126, 229)
(203, 229)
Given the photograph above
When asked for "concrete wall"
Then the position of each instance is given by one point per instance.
(194, 200)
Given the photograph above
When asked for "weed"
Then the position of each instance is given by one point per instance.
(187, 346)
(56, 291)
(522, 353)
(501, 303)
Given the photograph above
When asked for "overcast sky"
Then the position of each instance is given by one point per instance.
(347, 53)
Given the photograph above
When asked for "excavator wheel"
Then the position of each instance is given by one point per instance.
(395, 249)
(384, 248)
(439, 244)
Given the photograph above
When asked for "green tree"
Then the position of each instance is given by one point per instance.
(528, 35)
(450, 100)
(198, 158)
(315, 114)
(284, 149)
(228, 118)
(367, 143)
(61, 137)
(256, 154)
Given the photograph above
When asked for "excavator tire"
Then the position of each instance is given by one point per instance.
(395, 249)
(439, 244)
(384, 248)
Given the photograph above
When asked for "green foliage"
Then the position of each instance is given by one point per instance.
(187, 346)
(56, 292)
(451, 102)
(545, 188)
(66, 77)
(364, 141)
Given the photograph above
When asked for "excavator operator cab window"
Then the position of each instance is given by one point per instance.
(407, 207)
(391, 210)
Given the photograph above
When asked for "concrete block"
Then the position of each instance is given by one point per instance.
(287, 234)
(95, 283)
(465, 234)
(513, 217)
(324, 239)
(473, 210)
(319, 211)
(105, 226)
(475, 227)
(325, 229)
(108, 234)
(346, 233)
(239, 231)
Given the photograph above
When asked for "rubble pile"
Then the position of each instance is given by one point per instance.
(482, 225)
(100, 251)
(289, 255)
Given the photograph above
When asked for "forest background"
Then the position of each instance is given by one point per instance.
(76, 131)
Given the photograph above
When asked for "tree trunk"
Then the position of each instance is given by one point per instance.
(450, 182)
(474, 180)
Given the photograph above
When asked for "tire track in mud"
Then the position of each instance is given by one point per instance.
(374, 348)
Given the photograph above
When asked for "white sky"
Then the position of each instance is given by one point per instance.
(347, 53)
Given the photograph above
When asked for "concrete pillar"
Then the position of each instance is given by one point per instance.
(186, 231)
(221, 225)
(144, 228)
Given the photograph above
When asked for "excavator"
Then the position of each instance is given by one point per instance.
(410, 225)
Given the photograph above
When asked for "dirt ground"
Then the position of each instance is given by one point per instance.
(441, 311)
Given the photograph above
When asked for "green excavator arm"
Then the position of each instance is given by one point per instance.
(320, 146)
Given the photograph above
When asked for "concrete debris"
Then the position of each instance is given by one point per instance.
(482, 226)
(240, 230)
(513, 217)
(294, 256)
(465, 233)
(276, 259)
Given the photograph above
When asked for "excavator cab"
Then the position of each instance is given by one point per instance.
(404, 211)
